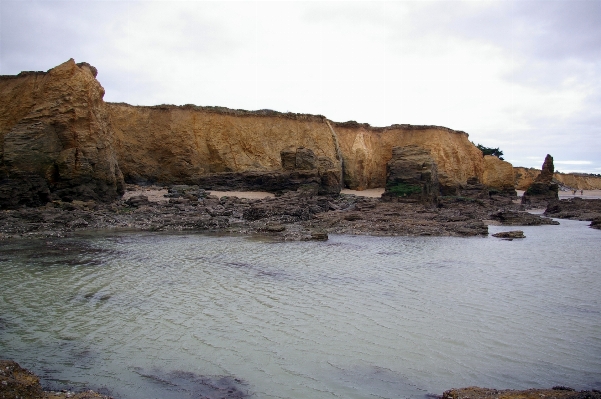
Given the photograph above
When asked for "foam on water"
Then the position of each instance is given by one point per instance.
(178, 316)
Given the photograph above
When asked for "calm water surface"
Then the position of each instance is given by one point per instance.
(176, 316)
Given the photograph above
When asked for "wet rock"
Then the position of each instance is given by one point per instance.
(17, 382)
(575, 208)
(513, 218)
(319, 235)
(411, 175)
(486, 393)
(510, 234)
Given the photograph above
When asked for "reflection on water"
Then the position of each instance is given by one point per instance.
(182, 316)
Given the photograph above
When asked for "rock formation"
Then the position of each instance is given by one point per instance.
(366, 150)
(524, 177)
(59, 139)
(56, 139)
(543, 189)
(498, 176)
(300, 168)
(411, 176)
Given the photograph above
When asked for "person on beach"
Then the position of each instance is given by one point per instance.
(581, 192)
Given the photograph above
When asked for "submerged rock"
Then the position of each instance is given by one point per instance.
(510, 234)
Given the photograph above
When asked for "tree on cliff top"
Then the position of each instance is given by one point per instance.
(491, 151)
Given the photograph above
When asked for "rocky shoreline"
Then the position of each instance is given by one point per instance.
(293, 216)
(19, 383)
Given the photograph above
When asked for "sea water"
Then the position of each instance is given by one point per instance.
(142, 315)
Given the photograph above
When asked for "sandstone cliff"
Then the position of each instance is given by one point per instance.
(366, 150)
(171, 144)
(59, 139)
(498, 175)
(524, 177)
(56, 139)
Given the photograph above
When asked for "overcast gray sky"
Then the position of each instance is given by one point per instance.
(524, 76)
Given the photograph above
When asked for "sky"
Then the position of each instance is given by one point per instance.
(523, 76)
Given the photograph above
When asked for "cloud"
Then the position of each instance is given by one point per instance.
(573, 162)
(520, 75)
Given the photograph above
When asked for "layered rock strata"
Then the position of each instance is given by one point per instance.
(524, 177)
(498, 176)
(543, 189)
(60, 140)
(56, 138)
(411, 176)
(366, 150)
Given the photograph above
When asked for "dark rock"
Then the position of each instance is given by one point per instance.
(411, 174)
(474, 189)
(575, 208)
(305, 159)
(137, 201)
(543, 189)
(510, 234)
(23, 190)
(288, 157)
(17, 382)
(319, 235)
(547, 171)
(513, 218)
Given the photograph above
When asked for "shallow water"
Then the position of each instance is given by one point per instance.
(179, 316)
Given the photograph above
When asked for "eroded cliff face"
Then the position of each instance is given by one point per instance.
(59, 139)
(498, 175)
(55, 134)
(366, 150)
(171, 144)
(524, 177)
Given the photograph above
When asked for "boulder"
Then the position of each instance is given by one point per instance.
(544, 189)
(411, 176)
(510, 234)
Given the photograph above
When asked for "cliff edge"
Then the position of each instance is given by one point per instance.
(60, 140)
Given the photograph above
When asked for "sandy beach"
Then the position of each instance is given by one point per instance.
(157, 194)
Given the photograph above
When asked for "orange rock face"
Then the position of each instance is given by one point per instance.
(498, 174)
(54, 126)
(366, 150)
(524, 177)
(178, 144)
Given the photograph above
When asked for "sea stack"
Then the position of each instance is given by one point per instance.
(411, 176)
(543, 189)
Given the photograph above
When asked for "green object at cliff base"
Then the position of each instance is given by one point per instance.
(403, 189)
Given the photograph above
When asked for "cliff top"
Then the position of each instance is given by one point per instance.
(287, 115)
(22, 75)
